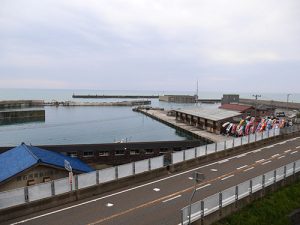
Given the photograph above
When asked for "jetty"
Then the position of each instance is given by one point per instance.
(115, 96)
(123, 103)
(164, 116)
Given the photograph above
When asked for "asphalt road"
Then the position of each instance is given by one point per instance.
(158, 202)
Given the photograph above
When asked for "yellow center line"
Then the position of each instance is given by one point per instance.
(236, 171)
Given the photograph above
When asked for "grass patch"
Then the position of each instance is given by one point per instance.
(273, 209)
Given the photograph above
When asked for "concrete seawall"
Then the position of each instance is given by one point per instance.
(21, 103)
(7, 117)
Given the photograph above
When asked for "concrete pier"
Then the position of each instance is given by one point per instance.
(162, 116)
(114, 96)
(21, 103)
(123, 103)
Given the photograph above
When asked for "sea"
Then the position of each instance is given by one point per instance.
(105, 124)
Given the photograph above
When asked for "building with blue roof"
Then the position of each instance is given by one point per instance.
(26, 165)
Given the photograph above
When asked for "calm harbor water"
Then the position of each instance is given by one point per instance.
(69, 125)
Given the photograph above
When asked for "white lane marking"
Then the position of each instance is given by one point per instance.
(258, 150)
(240, 156)
(266, 162)
(298, 147)
(214, 170)
(293, 152)
(206, 185)
(242, 167)
(156, 189)
(283, 156)
(109, 204)
(170, 199)
(261, 160)
(191, 178)
(288, 150)
(273, 156)
(251, 168)
(223, 161)
(224, 178)
(271, 146)
(281, 143)
(124, 191)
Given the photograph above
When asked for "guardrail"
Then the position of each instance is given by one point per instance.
(44, 190)
(233, 194)
(203, 150)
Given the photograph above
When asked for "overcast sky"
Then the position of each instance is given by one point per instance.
(228, 45)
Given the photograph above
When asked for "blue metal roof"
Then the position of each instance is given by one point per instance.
(22, 157)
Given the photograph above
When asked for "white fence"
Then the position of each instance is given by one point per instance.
(44, 190)
(184, 155)
(215, 202)
(56, 187)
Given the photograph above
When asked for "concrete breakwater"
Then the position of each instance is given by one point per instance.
(10, 117)
(271, 103)
(162, 116)
(123, 103)
(114, 96)
(21, 103)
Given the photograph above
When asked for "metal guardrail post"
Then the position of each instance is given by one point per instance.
(263, 182)
(195, 153)
(294, 168)
(284, 172)
(224, 145)
(233, 142)
(205, 149)
(149, 164)
(26, 194)
(255, 137)
(220, 202)
(97, 177)
(275, 174)
(216, 146)
(76, 182)
(52, 188)
(116, 172)
(133, 168)
(182, 219)
(202, 211)
(251, 187)
(274, 131)
(236, 195)
(184, 155)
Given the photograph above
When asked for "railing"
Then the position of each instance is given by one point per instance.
(203, 150)
(231, 195)
(39, 191)
(44, 190)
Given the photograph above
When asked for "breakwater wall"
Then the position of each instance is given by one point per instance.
(123, 103)
(271, 103)
(21, 103)
(8, 117)
(115, 96)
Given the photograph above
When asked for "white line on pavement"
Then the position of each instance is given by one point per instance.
(298, 147)
(266, 162)
(281, 157)
(248, 169)
(206, 185)
(242, 167)
(261, 160)
(223, 161)
(227, 177)
(170, 199)
(293, 152)
(288, 150)
(273, 156)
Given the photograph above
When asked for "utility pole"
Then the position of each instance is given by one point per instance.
(256, 96)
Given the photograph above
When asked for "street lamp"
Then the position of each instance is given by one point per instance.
(198, 177)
